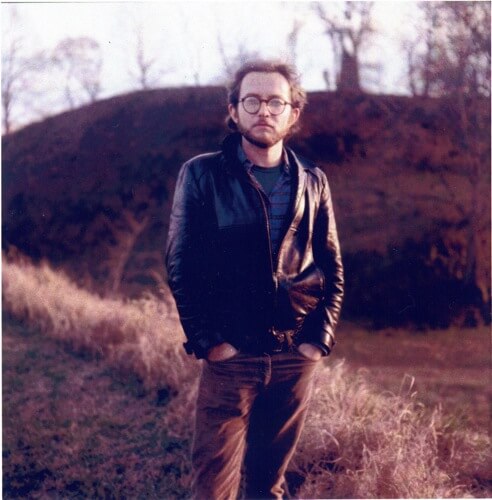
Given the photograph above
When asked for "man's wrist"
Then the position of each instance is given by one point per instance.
(311, 351)
(325, 349)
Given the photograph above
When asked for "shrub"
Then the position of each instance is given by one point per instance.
(409, 286)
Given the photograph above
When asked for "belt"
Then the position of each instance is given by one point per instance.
(280, 340)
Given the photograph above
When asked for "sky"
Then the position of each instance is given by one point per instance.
(183, 36)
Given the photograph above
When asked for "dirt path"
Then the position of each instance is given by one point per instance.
(74, 428)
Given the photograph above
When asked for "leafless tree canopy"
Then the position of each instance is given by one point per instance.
(348, 32)
(14, 70)
(46, 81)
(453, 53)
(147, 70)
(452, 61)
(292, 40)
(232, 62)
(20, 72)
(79, 62)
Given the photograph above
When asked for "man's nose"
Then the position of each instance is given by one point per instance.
(263, 111)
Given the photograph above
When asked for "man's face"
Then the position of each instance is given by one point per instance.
(263, 129)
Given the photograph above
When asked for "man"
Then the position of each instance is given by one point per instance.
(254, 265)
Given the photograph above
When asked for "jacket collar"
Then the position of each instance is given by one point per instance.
(232, 141)
(229, 147)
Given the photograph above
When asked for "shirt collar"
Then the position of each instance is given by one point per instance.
(243, 159)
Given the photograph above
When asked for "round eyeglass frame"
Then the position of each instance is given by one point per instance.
(267, 102)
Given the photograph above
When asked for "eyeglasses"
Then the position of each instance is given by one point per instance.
(252, 105)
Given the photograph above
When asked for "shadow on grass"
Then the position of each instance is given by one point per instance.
(74, 428)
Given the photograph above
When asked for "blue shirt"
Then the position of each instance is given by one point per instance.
(277, 201)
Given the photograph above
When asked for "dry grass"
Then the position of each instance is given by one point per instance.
(143, 336)
(358, 443)
(73, 427)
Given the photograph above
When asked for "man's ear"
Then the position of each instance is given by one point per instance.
(233, 112)
(295, 113)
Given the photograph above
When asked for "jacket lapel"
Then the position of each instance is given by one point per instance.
(299, 202)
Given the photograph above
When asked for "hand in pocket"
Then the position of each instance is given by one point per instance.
(221, 352)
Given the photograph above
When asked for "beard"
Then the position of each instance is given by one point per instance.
(263, 142)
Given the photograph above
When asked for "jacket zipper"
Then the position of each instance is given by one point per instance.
(272, 268)
(267, 224)
(273, 271)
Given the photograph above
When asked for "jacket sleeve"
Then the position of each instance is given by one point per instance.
(184, 261)
(327, 255)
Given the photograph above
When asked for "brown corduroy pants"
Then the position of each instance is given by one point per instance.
(250, 414)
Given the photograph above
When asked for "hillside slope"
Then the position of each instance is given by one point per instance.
(90, 190)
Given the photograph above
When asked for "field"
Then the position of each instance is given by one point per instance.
(98, 394)
(73, 427)
(452, 367)
(396, 415)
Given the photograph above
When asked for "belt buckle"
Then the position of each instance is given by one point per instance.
(280, 338)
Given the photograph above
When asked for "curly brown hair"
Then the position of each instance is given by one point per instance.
(288, 71)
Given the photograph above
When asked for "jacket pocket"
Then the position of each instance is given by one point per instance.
(300, 295)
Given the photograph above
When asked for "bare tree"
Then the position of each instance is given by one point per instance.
(144, 64)
(326, 78)
(238, 57)
(465, 61)
(452, 61)
(348, 32)
(453, 55)
(293, 39)
(79, 61)
(19, 71)
(464, 76)
(422, 53)
(14, 70)
(192, 48)
(125, 233)
(147, 72)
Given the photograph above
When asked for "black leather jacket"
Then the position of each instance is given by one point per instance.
(225, 282)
